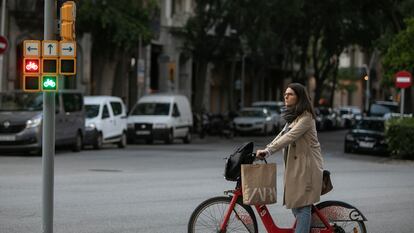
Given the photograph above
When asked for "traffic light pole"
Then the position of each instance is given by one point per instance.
(48, 139)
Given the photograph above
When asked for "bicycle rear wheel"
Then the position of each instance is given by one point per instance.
(342, 216)
(208, 216)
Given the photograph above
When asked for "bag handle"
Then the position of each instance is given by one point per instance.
(259, 158)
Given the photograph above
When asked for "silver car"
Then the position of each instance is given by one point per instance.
(275, 108)
(254, 120)
(21, 120)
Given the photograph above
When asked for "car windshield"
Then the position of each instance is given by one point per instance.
(371, 125)
(92, 110)
(252, 113)
(157, 109)
(20, 101)
(381, 110)
(344, 111)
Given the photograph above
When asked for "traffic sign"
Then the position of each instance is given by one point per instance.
(50, 48)
(31, 48)
(403, 79)
(3, 44)
(67, 49)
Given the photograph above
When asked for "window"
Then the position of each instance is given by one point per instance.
(92, 110)
(158, 109)
(72, 102)
(176, 113)
(116, 108)
(105, 113)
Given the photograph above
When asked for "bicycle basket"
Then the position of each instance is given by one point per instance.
(242, 155)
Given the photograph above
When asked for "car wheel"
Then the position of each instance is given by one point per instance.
(170, 138)
(187, 138)
(77, 146)
(97, 145)
(122, 143)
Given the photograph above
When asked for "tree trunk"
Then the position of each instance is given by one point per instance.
(120, 83)
(200, 85)
(106, 80)
(334, 83)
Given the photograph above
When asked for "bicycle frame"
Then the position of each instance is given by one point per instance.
(267, 219)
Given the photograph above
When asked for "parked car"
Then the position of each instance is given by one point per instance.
(326, 118)
(350, 115)
(254, 120)
(105, 121)
(21, 120)
(275, 108)
(380, 108)
(161, 117)
(367, 136)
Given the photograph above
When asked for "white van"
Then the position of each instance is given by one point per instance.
(105, 121)
(160, 117)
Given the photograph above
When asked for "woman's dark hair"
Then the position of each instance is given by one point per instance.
(304, 102)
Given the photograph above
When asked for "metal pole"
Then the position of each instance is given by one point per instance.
(48, 139)
(242, 82)
(2, 32)
(402, 101)
(367, 89)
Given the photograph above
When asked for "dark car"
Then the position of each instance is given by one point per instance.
(367, 136)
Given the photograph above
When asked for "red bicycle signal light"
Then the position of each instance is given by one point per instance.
(31, 66)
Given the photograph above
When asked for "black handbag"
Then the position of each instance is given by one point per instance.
(241, 155)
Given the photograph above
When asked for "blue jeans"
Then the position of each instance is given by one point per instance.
(303, 217)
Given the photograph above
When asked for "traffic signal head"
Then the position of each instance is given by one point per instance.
(49, 83)
(67, 66)
(67, 21)
(31, 65)
(49, 66)
(67, 31)
(68, 11)
(31, 83)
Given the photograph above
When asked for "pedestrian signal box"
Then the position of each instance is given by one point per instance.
(31, 66)
(67, 66)
(49, 66)
(49, 83)
(31, 83)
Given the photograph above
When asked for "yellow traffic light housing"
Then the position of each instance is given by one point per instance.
(50, 66)
(67, 21)
(67, 66)
(31, 83)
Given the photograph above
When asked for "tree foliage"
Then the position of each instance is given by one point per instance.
(116, 24)
(400, 54)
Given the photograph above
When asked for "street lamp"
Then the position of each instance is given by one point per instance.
(367, 93)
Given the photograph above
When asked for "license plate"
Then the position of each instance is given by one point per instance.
(142, 132)
(7, 138)
(366, 144)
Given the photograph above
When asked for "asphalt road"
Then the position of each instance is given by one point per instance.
(154, 188)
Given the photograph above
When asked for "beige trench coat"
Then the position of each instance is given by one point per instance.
(303, 163)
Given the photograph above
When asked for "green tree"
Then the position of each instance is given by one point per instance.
(116, 27)
(400, 54)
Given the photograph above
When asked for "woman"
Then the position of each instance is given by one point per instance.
(302, 156)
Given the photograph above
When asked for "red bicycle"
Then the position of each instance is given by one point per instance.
(228, 214)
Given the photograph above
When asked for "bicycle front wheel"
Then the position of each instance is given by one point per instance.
(208, 216)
